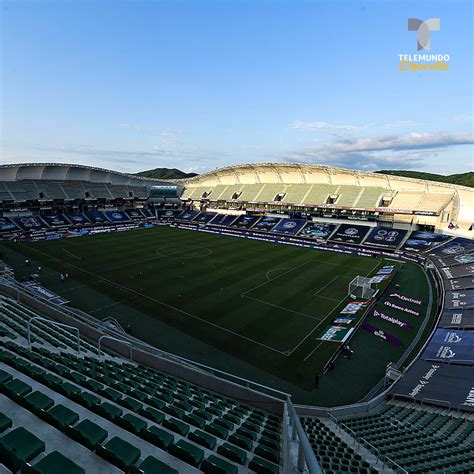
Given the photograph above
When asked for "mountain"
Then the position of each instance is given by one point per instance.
(463, 179)
(165, 173)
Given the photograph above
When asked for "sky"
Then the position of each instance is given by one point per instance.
(196, 85)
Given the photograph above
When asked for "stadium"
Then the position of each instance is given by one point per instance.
(267, 317)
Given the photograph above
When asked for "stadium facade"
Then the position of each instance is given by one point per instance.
(272, 186)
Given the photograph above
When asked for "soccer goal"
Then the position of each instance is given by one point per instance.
(362, 287)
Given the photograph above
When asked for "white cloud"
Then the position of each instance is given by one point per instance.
(464, 117)
(380, 151)
(312, 126)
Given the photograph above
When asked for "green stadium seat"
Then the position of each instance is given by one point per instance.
(202, 438)
(132, 423)
(152, 414)
(5, 422)
(232, 452)
(111, 412)
(87, 433)
(18, 447)
(158, 437)
(263, 466)
(55, 463)
(176, 425)
(216, 430)
(267, 453)
(119, 452)
(16, 389)
(61, 416)
(4, 377)
(151, 465)
(38, 402)
(215, 465)
(194, 420)
(241, 441)
(187, 452)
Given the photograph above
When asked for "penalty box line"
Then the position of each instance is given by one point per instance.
(129, 290)
(327, 317)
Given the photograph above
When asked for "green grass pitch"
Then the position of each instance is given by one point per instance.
(262, 303)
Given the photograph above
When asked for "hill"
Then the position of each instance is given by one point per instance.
(165, 173)
(463, 179)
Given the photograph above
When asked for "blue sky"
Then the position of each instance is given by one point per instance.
(201, 84)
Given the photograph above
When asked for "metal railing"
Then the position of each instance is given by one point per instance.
(53, 323)
(128, 343)
(305, 457)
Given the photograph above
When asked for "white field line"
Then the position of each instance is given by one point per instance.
(316, 327)
(107, 306)
(274, 270)
(280, 307)
(327, 317)
(129, 290)
(327, 298)
(158, 255)
(313, 351)
(326, 285)
(273, 279)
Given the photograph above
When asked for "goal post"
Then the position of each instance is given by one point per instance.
(362, 288)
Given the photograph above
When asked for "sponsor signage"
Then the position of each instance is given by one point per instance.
(458, 246)
(385, 336)
(335, 334)
(451, 345)
(391, 319)
(117, 216)
(289, 226)
(97, 217)
(458, 271)
(439, 383)
(223, 220)
(6, 225)
(419, 241)
(55, 220)
(267, 223)
(317, 230)
(406, 299)
(245, 221)
(204, 217)
(385, 237)
(459, 299)
(462, 283)
(348, 320)
(30, 222)
(43, 293)
(134, 214)
(401, 308)
(457, 318)
(353, 307)
(349, 233)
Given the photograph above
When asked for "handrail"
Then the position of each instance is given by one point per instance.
(436, 400)
(101, 338)
(35, 318)
(306, 454)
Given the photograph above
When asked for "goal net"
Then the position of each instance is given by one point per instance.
(362, 287)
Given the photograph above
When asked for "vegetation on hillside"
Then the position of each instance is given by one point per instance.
(165, 173)
(463, 179)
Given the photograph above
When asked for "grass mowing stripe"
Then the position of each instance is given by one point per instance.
(162, 303)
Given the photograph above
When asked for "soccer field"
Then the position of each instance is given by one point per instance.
(263, 303)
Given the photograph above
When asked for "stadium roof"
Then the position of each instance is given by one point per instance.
(324, 173)
(70, 172)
